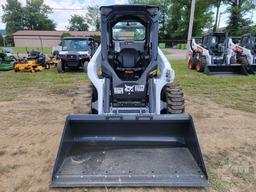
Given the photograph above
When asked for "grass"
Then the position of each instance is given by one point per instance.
(48, 81)
(23, 49)
(238, 92)
(217, 183)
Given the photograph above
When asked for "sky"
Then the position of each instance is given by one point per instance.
(61, 17)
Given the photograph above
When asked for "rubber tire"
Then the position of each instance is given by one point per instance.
(174, 99)
(59, 67)
(245, 65)
(85, 66)
(200, 65)
(191, 63)
(82, 99)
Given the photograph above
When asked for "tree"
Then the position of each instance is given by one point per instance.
(36, 16)
(9, 42)
(217, 4)
(1, 40)
(77, 23)
(174, 16)
(33, 16)
(238, 23)
(13, 16)
(179, 20)
(65, 34)
(164, 6)
(93, 17)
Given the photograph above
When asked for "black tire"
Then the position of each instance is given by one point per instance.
(194, 60)
(60, 67)
(85, 66)
(174, 99)
(245, 66)
(192, 63)
(200, 64)
(82, 99)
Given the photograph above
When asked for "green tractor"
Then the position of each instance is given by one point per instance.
(6, 62)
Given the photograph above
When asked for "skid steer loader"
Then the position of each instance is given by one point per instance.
(215, 56)
(138, 133)
(245, 52)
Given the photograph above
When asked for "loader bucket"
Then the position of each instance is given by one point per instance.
(234, 69)
(129, 151)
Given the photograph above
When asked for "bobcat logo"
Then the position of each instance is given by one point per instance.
(129, 89)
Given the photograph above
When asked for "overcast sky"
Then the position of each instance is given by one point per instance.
(61, 17)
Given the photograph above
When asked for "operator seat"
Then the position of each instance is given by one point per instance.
(38, 56)
(128, 59)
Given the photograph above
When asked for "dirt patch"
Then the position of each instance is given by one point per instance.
(31, 126)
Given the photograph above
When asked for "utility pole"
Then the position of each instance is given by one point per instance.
(192, 11)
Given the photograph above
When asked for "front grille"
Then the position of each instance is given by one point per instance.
(72, 63)
(129, 110)
(71, 57)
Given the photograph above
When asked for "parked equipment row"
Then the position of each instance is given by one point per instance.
(34, 62)
(217, 54)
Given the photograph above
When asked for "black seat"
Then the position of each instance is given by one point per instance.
(128, 59)
(34, 54)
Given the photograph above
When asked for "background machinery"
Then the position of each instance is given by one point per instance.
(6, 62)
(35, 62)
(75, 53)
(53, 59)
(138, 133)
(246, 52)
(215, 56)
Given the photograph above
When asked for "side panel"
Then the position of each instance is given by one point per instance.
(92, 70)
(165, 75)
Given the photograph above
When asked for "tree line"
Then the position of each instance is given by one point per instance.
(174, 17)
(35, 16)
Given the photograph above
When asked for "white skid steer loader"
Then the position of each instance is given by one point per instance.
(215, 56)
(138, 133)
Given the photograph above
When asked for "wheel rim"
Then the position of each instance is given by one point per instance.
(198, 66)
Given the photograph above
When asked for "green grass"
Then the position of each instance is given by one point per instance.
(23, 49)
(48, 81)
(181, 46)
(238, 92)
